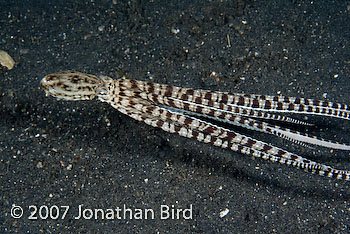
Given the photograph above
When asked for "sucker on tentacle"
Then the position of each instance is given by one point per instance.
(186, 112)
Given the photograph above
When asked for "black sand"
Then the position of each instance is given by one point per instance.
(55, 153)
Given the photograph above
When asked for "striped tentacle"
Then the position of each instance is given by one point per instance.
(199, 130)
(206, 98)
(293, 105)
(255, 124)
(220, 112)
(203, 105)
(254, 102)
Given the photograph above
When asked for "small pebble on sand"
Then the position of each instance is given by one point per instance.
(6, 60)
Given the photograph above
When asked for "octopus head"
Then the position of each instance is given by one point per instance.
(71, 85)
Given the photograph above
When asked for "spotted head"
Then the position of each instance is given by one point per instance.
(71, 85)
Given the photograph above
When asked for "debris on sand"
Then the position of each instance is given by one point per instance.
(6, 60)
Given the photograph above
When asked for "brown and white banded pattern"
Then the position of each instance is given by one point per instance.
(187, 112)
